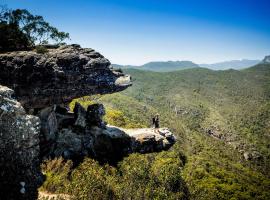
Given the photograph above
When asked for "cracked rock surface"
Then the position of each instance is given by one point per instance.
(19, 149)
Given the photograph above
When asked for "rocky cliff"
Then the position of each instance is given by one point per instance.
(58, 76)
(266, 60)
(19, 149)
(42, 85)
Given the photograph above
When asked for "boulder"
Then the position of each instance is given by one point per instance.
(95, 113)
(19, 149)
(110, 144)
(68, 144)
(56, 77)
(252, 155)
(266, 60)
(147, 140)
(49, 125)
(79, 115)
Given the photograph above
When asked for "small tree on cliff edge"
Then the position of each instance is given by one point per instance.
(19, 29)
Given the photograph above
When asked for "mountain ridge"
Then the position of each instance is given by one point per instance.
(161, 66)
(167, 66)
(231, 64)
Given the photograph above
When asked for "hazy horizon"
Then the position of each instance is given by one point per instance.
(222, 61)
(137, 32)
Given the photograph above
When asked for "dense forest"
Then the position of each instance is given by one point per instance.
(221, 120)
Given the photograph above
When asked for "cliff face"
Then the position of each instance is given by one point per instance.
(19, 149)
(42, 84)
(58, 76)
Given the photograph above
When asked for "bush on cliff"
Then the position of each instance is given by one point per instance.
(41, 49)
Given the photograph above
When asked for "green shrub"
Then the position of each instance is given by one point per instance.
(41, 49)
(57, 173)
(91, 181)
(150, 176)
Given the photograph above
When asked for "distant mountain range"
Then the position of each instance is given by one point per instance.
(167, 66)
(161, 66)
(233, 64)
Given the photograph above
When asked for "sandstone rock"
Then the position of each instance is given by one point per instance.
(95, 113)
(110, 144)
(146, 140)
(49, 125)
(19, 150)
(266, 60)
(67, 144)
(252, 155)
(62, 74)
(247, 156)
(106, 143)
(80, 115)
(65, 120)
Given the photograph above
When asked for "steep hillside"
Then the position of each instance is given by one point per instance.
(222, 121)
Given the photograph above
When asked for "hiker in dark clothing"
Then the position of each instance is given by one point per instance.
(156, 122)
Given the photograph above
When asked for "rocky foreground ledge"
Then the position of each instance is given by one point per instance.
(36, 124)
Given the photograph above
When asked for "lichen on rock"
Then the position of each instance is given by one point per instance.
(19, 149)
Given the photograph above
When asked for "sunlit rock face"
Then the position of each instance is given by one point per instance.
(20, 175)
(58, 76)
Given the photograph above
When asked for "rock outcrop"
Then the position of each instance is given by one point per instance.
(56, 77)
(42, 85)
(19, 149)
(84, 133)
(148, 140)
(266, 60)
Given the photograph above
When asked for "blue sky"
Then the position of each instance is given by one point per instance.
(139, 31)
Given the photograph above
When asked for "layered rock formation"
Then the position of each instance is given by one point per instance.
(62, 74)
(44, 84)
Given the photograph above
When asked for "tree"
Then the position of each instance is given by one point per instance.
(20, 29)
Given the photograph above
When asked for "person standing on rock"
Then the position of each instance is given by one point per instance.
(156, 123)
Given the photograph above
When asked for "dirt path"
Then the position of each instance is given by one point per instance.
(48, 196)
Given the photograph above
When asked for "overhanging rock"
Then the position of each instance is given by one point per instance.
(62, 74)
